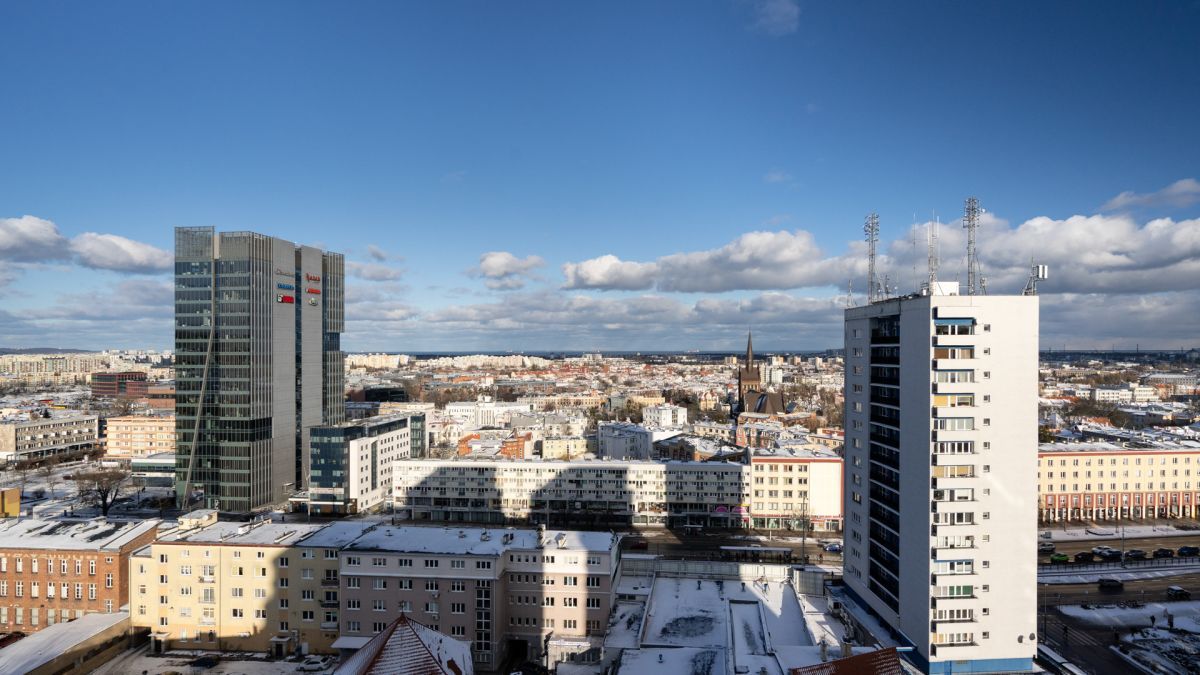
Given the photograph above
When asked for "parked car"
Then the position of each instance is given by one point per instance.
(1110, 555)
(1085, 557)
(1060, 558)
(1163, 553)
(1046, 547)
(1111, 585)
(1188, 551)
(315, 664)
(833, 548)
(1135, 554)
(1178, 593)
(1099, 550)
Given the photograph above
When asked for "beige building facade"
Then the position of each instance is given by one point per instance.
(35, 437)
(132, 436)
(1107, 481)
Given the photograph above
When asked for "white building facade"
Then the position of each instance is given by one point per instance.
(941, 475)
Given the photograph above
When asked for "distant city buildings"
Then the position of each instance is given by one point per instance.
(131, 436)
(352, 463)
(258, 363)
(129, 384)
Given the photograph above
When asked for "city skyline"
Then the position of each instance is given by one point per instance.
(650, 178)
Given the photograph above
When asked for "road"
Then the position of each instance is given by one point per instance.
(1085, 645)
(1147, 544)
(672, 544)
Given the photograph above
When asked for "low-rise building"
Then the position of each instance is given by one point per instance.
(232, 586)
(1101, 480)
(627, 441)
(795, 488)
(58, 570)
(598, 492)
(664, 415)
(39, 435)
(566, 447)
(499, 589)
(129, 384)
(352, 462)
(132, 436)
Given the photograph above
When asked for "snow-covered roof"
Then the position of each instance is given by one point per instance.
(35, 651)
(244, 534)
(475, 540)
(337, 534)
(96, 534)
(407, 647)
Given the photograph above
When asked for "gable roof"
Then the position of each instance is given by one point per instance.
(408, 647)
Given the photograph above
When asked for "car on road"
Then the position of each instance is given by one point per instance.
(833, 548)
(1099, 550)
(1110, 555)
(1058, 558)
(1046, 547)
(1163, 553)
(1085, 557)
(1111, 584)
(1188, 551)
(1178, 593)
(1135, 554)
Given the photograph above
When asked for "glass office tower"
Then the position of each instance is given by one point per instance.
(258, 362)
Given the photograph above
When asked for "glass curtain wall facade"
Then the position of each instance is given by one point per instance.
(257, 362)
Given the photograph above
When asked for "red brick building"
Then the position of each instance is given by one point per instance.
(130, 384)
(57, 570)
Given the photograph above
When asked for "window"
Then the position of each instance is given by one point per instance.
(458, 564)
(283, 562)
(378, 605)
(307, 615)
(431, 563)
(236, 613)
(354, 604)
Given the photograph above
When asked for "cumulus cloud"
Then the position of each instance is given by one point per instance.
(1179, 194)
(377, 254)
(608, 272)
(754, 261)
(113, 252)
(503, 271)
(776, 17)
(29, 239)
(373, 271)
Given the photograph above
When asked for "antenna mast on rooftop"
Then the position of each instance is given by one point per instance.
(975, 282)
(933, 254)
(871, 229)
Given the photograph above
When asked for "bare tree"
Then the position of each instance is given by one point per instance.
(46, 471)
(122, 406)
(101, 487)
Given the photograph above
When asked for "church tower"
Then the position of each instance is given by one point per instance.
(749, 377)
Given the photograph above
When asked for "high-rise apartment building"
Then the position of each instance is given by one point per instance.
(941, 475)
(258, 362)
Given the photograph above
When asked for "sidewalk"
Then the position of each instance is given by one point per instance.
(1070, 574)
(1085, 532)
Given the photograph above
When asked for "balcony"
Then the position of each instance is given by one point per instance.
(329, 625)
(329, 583)
(329, 604)
(207, 580)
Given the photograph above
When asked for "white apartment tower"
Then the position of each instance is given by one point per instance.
(941, 475)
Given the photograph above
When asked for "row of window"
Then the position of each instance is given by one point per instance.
(64, 565)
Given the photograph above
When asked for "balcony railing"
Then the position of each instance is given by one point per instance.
(329, 583)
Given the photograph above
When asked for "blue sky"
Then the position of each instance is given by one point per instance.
(645, 175)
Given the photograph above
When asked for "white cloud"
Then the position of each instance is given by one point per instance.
(31, 239)
(777, 176)
(377, 254)
(776, 17)
(608, 272)
(754, 261)
(373, 271)
(1179, 194)
(503, 271)
(113, 252)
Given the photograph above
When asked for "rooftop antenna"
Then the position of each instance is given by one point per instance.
(871, 229)
(1036, 273)
(850, 293)
(933, 253)
(913, 254)
(975, 283)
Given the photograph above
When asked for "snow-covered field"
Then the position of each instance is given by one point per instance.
(1162, 637)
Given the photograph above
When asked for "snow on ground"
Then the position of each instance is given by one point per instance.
(1126, 574)
(687, 613)
(685, 661)
(1162, 651)
(1111, 532)
(139, 661)
(624, 625)
(1187, 615)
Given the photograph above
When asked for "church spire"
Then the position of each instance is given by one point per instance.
(749, 349)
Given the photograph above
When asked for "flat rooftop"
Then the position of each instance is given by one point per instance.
(475, 540)
(70, 534)
(243, 534)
